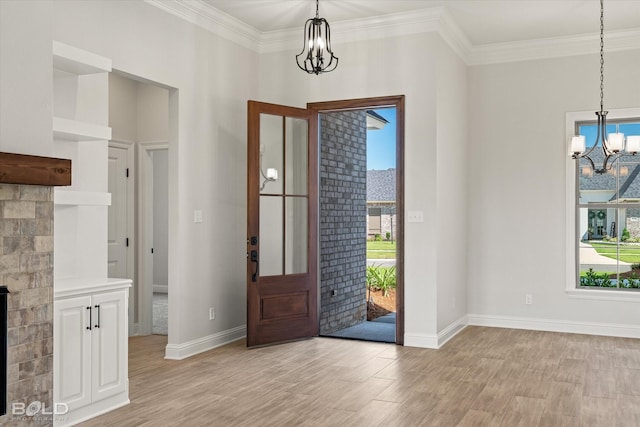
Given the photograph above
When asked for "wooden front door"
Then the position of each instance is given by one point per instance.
(282, 223)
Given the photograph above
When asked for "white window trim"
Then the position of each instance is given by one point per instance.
(570, 211)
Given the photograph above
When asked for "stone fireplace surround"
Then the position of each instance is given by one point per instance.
(26, 269)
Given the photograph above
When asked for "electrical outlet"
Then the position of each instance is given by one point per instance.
(212, 313)
(528, 299)
(197, 216)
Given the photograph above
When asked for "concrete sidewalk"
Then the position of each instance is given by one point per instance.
(381, 262)
(590, 258)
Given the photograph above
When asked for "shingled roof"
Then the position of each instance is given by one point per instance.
(381, 185)
(629, 184)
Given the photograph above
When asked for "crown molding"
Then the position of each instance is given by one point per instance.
(437, 20)
(555, 47)
(377, 27)
(209, 18)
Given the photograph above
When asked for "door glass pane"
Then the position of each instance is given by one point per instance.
(271, 250)
(296, 235)
(296, 156)
(271, 154)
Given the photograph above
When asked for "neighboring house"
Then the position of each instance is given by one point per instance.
(599, 222)
(375, 121)
(381, 203)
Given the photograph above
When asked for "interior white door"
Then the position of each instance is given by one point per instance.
(118, 234)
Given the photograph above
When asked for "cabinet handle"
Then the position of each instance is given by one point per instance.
(90, 321)
(97, 325)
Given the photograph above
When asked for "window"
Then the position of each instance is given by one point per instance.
(608, 214)
(375, 221)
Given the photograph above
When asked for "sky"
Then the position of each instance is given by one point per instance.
(381, 144)
(589, 131)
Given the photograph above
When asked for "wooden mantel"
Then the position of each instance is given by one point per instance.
(34, 170)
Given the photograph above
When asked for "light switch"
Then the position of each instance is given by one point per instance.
(415, 216)
(197, 216)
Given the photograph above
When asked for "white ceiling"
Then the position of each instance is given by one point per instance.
(482, 21)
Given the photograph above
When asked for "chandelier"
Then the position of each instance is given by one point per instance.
(612, 147)
(316, 56)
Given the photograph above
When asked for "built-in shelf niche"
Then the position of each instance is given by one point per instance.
(77, 61)
(81, 133)
(74, 130)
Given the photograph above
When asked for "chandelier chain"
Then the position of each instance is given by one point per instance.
(601, 55)
(317, 9)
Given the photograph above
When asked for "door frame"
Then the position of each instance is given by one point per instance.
(131, 225)
(145, 233)
(396, 101)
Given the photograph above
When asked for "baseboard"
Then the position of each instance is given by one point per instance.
(550, 325)
(92, 410)
(435, 341)
(452, 330)
(420, 340)
(191, 348)
(160, 289)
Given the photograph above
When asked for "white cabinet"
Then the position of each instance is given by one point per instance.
(90, 336)
(90, 310)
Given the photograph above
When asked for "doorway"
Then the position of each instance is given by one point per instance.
(141, 129)
(282, 219)
(343, 219)
(153, 217)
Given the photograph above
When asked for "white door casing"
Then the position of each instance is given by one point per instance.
(145, 232)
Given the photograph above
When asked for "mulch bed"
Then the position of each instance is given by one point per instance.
(379, 305)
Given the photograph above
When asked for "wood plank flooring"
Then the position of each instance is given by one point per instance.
(482, 377)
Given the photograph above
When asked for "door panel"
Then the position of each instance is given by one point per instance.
(72, 347)
(281, 224)
(109, 355)
(117, 230)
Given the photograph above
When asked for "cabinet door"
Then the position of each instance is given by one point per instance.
(109, 344)
(72, 350)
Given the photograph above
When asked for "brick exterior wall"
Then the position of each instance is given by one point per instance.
(343, 225)
(26, 268)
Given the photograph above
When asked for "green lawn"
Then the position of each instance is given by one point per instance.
(628, 252)
(381, 250)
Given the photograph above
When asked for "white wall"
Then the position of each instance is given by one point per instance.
(207, 146)
(451, 198)
(515, 179)
(123, 108)
(518, 156)
(160, 217)
(152, 113)
(26, 86)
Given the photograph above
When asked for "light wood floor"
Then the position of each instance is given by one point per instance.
(482, 377)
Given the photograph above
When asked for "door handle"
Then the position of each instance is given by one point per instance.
(90, 321)
(97, 325)
(256, 261)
